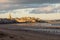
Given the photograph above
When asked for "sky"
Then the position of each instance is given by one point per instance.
(44, 9)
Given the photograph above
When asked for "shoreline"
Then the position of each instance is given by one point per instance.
(23, 32)
(27, 35)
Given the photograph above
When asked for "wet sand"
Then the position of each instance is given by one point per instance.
(27, 35)
(6, 33)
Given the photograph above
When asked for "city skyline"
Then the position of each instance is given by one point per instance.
(22, 13)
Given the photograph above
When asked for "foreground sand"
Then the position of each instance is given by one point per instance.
(26, 35)
(6, 33)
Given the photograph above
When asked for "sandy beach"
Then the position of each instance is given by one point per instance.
(26, 35)
(13, 32)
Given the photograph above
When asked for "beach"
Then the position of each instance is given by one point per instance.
(15, 32)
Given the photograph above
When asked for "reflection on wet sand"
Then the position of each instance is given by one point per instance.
(28, 31)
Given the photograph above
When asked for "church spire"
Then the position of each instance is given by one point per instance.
(10, 16)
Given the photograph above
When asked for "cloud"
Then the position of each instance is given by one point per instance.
(43, 5)
(38, 8)
(3, 1)
(34, 1)
(52, 8)
(17, 6)
(25, 13)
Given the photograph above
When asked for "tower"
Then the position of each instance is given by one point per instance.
(10, 16)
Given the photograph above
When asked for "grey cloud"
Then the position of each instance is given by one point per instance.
(32, 1)
(18, 4)
(35, 1)
(38, 12)
(3, 12)
(53, 10)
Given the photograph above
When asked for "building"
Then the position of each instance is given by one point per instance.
(26, 19)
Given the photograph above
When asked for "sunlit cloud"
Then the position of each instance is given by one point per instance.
(3, 1)
(26, 13)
